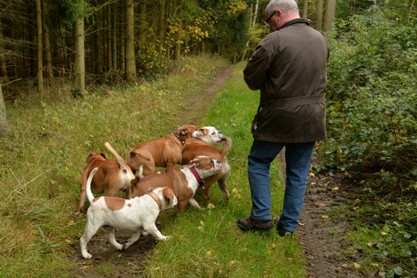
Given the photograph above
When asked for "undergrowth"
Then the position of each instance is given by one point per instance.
(372, 129)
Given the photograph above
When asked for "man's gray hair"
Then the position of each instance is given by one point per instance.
(284, 5)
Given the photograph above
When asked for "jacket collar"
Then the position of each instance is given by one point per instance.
(295, 21)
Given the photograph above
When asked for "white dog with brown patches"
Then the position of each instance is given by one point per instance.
(133, 215)
(209, 135)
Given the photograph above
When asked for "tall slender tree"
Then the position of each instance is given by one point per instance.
(319, 15)
(130, 70)
(3, 118)
(47, 40)
(305, 9)
(39, 46)
(329, 15)
(79, 59)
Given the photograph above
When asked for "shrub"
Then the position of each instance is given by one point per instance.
(372, 121)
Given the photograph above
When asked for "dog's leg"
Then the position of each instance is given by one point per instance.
(132, 239)
(90, 231)
(181, 206)
(194, 203)
(222, 185)
(112, 239)
(82, 202)
(153, 230)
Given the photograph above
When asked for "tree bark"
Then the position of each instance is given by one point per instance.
(305, 9)
(319, 17)
(99, 42)
(3, 65)
(48, 52)
(79, 60)
(109, 33)
(329, 15)
(39, 45)
(252, 25)
(130, 70)
(115, 27)
(3, 120)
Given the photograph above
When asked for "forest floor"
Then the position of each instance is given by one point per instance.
(321, 238)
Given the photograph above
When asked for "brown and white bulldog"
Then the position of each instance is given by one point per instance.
(194, 147)
(133, 215)
(209, 135)
(164, 152)
(112, 176)
(184, 182)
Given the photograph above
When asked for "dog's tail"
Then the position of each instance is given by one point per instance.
(227, 146)
(119, 159)
(139, 174)
(90, 195)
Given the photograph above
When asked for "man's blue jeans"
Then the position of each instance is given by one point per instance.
(298, 161)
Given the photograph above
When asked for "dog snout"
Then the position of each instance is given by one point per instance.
(217, 164)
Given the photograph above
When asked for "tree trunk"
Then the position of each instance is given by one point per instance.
(130, 70)
(115, 27)
(253, 19)
(3, 65)
(48, 52)
(410, 11)
(330, 15)
(40, 47)
(3, 120)
(79, 60)
(162, 26)
(109, 37)
(305, 9)
(99, 42)
(319, 18)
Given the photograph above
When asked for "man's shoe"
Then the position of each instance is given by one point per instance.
(250, 224)
(281, 231)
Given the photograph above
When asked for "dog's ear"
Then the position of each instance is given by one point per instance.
(133, 183)
(184, 131)
(89, 158)
(195, 162)
(103, 155)
(168, 195)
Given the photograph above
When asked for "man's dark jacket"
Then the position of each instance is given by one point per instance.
(289, 68)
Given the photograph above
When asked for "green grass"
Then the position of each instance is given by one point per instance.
(43, 155)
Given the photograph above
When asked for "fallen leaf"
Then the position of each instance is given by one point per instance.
(356, 265)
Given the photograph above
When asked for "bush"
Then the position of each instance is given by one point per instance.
(372, 104)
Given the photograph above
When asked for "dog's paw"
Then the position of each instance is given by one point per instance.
(87, 256)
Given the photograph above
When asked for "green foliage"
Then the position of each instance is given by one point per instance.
(390, 244)
(372, 101)
(372, 127)
(151, 61)
(190, 25)
(231, 30)
(68, 11)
